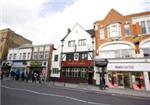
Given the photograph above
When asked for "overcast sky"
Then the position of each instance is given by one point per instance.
(46, 21)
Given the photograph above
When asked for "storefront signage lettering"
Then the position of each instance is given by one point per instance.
(77, 63)
(124, 67)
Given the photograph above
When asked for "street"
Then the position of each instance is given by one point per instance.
(22, 93)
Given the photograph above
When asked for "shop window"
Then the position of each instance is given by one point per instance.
(138, 80)
(55, 71)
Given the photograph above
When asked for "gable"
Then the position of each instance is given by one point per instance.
(112, 17)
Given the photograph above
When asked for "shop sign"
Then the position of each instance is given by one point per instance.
(128, 67)
(88, 63)
(124, 67)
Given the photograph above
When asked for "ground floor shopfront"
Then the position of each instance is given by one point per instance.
(77, 75)
(132, 73)
(77, 72)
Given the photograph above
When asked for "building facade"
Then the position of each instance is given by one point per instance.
(19, 58)
(41, 59)
(10, 39)
(123, 50)
(76, 56)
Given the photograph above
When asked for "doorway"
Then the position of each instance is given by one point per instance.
(120, 78)
(90, 78)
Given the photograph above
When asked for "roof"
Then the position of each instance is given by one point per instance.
(130, 15)
(91, 32)
(26, 46)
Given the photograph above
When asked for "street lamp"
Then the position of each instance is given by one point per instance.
(61, 61)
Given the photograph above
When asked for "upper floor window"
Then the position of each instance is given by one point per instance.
(114, 30)
(148, 25)
(82, 42)
(146, 52)
(70, 57)
(71, 43)
(126, 29)
(14, 56)
(10, 56)
(41, 55)
(20, 56)
(24, 55)
(28, 55)
(46, 55)
(35, 55)
(56, 58)
(101, 34)
(145, 26)
(83, 56)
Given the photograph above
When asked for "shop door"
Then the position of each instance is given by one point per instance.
(120, 78)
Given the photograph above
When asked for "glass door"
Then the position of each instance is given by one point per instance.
(120, 78)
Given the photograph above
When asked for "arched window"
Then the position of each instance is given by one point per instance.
(146, 49)
(117, 50)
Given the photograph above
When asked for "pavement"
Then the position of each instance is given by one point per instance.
(116, 91)
(93, 88)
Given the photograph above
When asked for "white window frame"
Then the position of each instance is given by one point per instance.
(114, 30)
(126, 27)
(101, 34)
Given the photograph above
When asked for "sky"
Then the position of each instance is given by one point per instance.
(47, 21)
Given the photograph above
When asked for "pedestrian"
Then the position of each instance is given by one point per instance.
(22, 75)
(12, 73)
(39, 78)
(2, 74)
(104, 83)
(26, 76)
(17, 75)
(35, 76)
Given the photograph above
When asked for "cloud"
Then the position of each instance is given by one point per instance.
(33, 19)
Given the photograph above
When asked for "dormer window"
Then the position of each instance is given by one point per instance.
(113, 30)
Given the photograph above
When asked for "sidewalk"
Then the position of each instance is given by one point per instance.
(116, 91)
(86, 87)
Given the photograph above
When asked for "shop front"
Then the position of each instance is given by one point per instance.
(135, 75)
(77, 71)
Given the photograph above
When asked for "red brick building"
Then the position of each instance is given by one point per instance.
(123, 41)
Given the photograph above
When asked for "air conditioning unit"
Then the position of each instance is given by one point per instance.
(76, 56)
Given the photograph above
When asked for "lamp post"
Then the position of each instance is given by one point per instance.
(61, 59)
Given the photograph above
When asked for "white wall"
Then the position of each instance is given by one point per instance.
(56, 64)
(78, 33)
(17, 51)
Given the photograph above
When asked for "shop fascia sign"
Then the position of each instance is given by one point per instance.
(124, 66)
